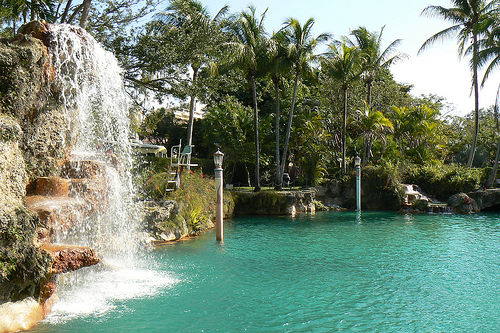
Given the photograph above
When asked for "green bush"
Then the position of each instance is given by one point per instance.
(442, 180)
(197, 201)
(382, 187)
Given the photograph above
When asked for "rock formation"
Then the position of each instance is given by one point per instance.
(34, 145)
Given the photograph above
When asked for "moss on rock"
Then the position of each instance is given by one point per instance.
(10, 131)
(23, 266)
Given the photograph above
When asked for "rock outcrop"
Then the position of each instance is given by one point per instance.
(275, 202)
(29, 95)
(22, 265)
(462, 203)
(34, 146)
(487, 199)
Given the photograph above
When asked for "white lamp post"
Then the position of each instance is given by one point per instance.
(357, 163)
(219, 210)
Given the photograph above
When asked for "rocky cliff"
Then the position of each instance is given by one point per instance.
(33, 144)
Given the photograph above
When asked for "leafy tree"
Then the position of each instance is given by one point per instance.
(300, 48)
(470, 20)
(372, 124)
(417, 131)
(342, 63)
(229, 125)
(198, 34)
(250, 50)
(308, 145)
(19, 10)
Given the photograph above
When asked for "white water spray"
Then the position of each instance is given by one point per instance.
(92, 93)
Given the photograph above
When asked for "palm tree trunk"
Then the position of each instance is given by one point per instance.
(289, 126)
(493, 173)
(85, 13)
(278, 167)
(369, 93)
(33, 12)
(256, 129)
(368, 150)
(344, 131)
(476, 103)
(66, 10)
(191, 109)
(248, 175)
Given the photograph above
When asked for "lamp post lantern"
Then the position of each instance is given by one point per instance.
(357, 163)
(219, 210)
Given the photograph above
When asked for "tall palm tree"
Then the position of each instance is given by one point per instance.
(250, 50)
(470, 19)
(374, 58)
(300, 48)
(490, 52)
(200, 33)
(342, 63)
(279, 64)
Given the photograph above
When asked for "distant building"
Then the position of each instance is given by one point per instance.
(182, 114)
(147, 149)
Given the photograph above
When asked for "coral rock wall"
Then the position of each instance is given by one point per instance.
(32, 145)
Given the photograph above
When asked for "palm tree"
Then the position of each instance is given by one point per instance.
(493, 173)
(342, 63)
(38, 9)
(199, 33)
(250, 50)
(279, 64)
(372, 123)
(85, 13)
(470, 20)
(373, 57)
(300, 48)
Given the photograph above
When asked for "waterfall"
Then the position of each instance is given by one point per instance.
(93, 97)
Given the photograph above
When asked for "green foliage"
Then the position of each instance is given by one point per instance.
(161, 123)
(382, 187)
(197, 201)
(418, 131)
(444, 180)
(263, 202)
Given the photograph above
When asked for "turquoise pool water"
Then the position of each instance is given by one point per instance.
(381, 272)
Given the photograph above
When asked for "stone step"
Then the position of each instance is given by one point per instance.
(52, 186)
(56, 214)
(67, 258)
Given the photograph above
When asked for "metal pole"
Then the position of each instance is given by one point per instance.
(358, 187)
(219, 210)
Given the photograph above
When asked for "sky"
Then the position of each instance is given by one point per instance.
(438, 70)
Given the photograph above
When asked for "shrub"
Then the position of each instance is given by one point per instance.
(382, 187)
(442, 180)
(197, 201)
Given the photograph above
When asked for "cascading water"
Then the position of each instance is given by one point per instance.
(93, 96)
(92, 93)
